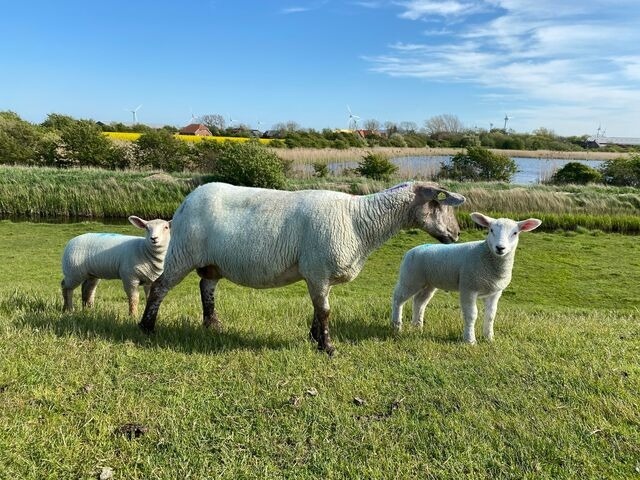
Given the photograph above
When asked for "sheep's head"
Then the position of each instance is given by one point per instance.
(432, 211)
(157, 232)
(504, 233)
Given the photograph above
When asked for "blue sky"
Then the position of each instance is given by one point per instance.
(565, 65)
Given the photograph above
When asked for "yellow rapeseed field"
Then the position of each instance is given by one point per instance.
(132, 137)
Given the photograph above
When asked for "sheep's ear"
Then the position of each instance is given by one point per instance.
(482, 220)
(169, 222)
(529, 224)
(138, 222)
(426, 194)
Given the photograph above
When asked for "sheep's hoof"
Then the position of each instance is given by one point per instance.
(328, 348)
(214, 324)
(148, 329)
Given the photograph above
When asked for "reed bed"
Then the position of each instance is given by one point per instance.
(309, 156)
(92, 193)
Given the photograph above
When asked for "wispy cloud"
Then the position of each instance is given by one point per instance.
(548, 52)
(290, 10)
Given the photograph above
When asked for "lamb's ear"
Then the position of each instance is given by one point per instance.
(529, 224)
(482, 220)
(425, 193)
(138, 222)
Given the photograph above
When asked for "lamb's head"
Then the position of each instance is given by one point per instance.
(432, 211)
(157, 232)
(504, 233)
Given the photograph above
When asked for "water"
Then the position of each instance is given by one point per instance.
(530, 170)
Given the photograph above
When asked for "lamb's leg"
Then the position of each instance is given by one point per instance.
(89, 292)
(490, 308)
(320, 326)
(67, 294)
(159, 289)
(401, 294)
(208, 282)
(133, 294)
(469, 314)
(420, 302)
(147, 289)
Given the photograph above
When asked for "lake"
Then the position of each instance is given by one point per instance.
(530, 170)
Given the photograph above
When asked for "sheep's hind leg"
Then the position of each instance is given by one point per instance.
(208, 283)
(320, 326)
(89, 292)
(67, 295)
(134, 297)
(420, 302)
(401, 294)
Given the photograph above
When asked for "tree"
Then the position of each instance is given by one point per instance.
(160, 149)
(371, 125)
(408, 127)
(249, 164)
(18, 140)
(623, 171)
(213, 121)
(442, 125)
(376, 167)
(391, 127)
(479, 163)
(576, 172)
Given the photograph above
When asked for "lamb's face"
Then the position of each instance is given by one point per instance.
(503, 236)
(157, 232)
(504, 233)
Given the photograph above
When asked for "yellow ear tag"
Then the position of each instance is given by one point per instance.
(441, 196)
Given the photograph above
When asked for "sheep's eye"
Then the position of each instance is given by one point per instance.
(491, 230)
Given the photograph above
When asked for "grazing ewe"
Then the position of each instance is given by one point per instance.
(475, 269)
(268, 238)
(135, 260)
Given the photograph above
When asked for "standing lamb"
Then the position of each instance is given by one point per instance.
(268, 238)
(475, 269)
(135, 260)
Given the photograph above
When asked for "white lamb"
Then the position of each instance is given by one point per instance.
(268, 238)
(475, 269)
(135, 260)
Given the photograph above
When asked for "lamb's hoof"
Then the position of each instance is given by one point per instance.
(148, 329)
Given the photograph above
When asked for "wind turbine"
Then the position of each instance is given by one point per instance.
(194, 117)
(133, 112)
(506, 119)
(353, 119)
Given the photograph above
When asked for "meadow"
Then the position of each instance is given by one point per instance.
(557, 395)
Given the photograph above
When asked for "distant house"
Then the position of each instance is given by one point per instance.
(597, 142)
(198, 129)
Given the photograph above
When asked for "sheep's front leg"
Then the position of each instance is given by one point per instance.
(134, 296)
(469, 315)
(320, 326)
(420, 302)
(172, 275)
(490, 309)
(208, 283)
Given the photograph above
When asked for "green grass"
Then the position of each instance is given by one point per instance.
(556, 396)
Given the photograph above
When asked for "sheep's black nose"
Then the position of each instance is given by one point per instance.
(499, 250)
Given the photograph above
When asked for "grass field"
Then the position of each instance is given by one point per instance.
(556, 396)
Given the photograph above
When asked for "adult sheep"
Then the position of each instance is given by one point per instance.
(268, 238)
(135, 260)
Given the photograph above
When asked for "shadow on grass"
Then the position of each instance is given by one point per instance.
(186, 336)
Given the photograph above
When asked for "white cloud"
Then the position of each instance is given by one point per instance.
(551, 54)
